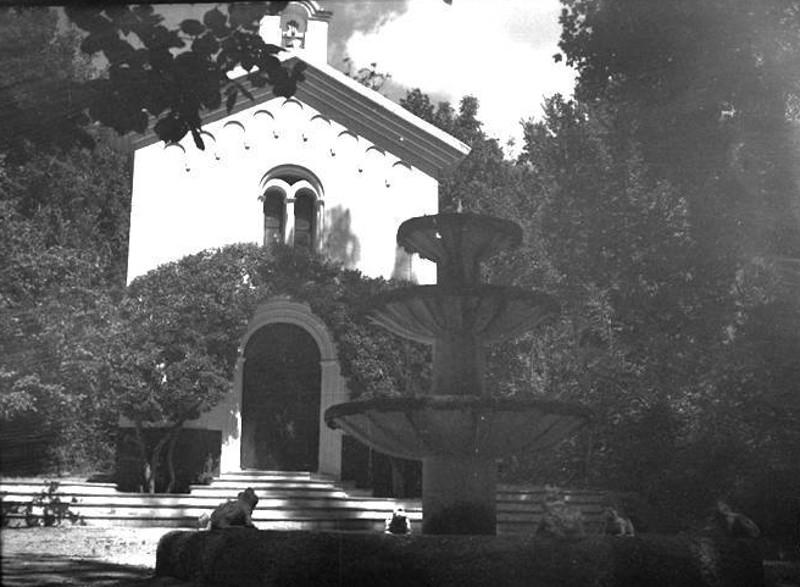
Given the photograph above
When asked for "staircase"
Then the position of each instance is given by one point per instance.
(306, 501)
(287, 501)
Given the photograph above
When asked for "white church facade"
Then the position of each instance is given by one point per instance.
(334, 169)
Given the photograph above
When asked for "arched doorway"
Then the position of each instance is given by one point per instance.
(281, 399)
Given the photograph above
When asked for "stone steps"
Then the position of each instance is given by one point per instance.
(287, 501)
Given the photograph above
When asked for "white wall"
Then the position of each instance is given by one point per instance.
(186, 200)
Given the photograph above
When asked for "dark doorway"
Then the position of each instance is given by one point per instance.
(281, 400)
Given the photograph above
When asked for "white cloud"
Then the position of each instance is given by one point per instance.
(499, 51)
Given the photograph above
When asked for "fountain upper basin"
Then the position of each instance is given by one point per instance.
(457, 243)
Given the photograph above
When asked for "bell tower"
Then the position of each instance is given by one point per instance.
(301, 27)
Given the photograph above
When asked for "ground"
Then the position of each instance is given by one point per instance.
(81, 555)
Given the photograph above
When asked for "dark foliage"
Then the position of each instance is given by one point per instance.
(154, 76)
(174, 75)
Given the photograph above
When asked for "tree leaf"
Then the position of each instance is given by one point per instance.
(217, 22)
(206, 45)
(193, 27)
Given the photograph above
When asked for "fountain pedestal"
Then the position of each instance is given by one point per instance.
(458, 495)
(456, 430)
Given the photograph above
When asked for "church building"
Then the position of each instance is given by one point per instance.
(335, 169)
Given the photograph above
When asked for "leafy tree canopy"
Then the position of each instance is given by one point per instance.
(152, 72)
(710, 91)
(39, 70)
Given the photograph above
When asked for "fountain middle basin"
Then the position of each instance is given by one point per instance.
(490, 313)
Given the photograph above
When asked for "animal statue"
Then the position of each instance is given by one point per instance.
(236, 512)
(398, 522)
(734, 524)
(616, 524)
(559, 519)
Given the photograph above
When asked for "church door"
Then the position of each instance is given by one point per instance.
(281, 400)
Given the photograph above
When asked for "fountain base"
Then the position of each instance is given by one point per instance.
(251, 558)
(458, 495)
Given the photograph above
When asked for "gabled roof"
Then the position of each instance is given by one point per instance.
(364, 112)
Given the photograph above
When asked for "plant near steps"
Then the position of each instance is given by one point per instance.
(45, 509)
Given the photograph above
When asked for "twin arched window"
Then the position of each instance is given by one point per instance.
(292, 202)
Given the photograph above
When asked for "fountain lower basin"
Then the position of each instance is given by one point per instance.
(457, 426)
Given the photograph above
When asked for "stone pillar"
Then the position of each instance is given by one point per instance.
(330, 441)
(459, 495)
(458, 366)
(230, 459)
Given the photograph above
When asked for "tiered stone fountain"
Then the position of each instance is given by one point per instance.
(457, 430)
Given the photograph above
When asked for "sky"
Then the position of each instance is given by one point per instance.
(500, 51)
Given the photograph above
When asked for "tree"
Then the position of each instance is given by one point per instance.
(661, 81)
(63, 242)
(175, 349)
(485, 181)
(152, 71)
(40, 71)
(719, 128)
(369, 77)
(173, 75)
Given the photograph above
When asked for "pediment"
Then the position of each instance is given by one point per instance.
(361, 111)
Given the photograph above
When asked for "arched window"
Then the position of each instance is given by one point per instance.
(293, 201)
(304, 219)
(274, 217)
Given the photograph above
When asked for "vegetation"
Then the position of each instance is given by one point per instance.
(45, 509)
(660, 207)
(63, 247)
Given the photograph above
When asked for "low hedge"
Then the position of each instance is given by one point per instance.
(248, 557)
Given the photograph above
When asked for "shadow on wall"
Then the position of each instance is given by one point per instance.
(338, 242)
